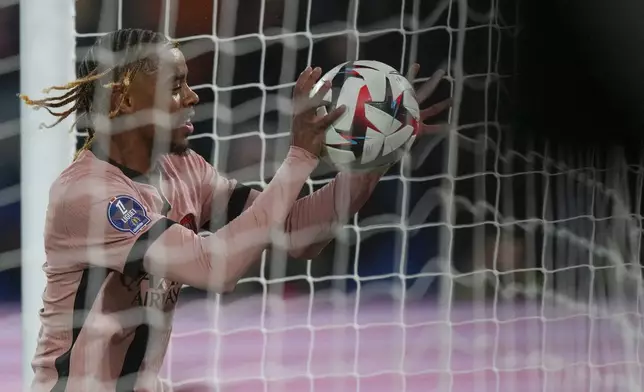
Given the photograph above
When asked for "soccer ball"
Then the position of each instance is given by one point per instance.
(381, 120)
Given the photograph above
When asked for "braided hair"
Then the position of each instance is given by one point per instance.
(112, 61)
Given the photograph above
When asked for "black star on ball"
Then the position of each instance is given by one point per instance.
(392, 106)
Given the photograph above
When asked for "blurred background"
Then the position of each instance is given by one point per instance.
(547, 183)
(489, 64)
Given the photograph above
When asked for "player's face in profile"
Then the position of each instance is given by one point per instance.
(166, 90)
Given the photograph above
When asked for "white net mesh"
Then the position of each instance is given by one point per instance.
(482, 262)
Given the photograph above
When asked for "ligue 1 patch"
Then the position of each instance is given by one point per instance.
(126, 214)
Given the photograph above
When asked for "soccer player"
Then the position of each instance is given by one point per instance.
(122, 224)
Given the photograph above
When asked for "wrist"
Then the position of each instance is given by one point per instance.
(302, 159)
(301, 153)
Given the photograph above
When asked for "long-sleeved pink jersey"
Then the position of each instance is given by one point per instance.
(121, 244)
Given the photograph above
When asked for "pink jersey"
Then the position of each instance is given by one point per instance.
(121, 244)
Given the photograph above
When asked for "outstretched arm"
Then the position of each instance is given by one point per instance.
(219, 260)
(310, 224)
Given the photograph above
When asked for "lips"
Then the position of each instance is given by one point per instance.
(184, 121)
(189, 128)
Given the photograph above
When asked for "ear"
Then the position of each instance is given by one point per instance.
(120, 101)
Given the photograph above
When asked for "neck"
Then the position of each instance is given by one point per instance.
(128, 151)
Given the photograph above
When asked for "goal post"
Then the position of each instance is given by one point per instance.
(47, 56)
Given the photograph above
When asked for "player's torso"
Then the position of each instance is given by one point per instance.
(131, 313)
(170, 191)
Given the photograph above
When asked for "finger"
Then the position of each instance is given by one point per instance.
(326, 121)
(302, 79)
(317, 99)
(427, 89)
(435, 109)
(412, 72)
(304, 103)
(314, 76)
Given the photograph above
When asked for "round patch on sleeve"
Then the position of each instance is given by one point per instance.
(126, 214)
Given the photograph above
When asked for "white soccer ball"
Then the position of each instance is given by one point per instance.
(381, 120)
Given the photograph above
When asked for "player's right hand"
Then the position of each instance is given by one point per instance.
(308, 127)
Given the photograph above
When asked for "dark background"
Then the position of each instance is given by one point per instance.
(581, 70)
(574, 84)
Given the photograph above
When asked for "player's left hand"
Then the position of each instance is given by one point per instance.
(423, 93)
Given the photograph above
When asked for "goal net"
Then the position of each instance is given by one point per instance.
(484, 261)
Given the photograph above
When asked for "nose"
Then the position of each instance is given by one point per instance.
(191, 98)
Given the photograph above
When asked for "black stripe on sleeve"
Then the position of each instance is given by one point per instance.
(236, 204)
(133, 269)
(134, 262)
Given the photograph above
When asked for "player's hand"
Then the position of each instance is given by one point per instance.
(308, 127)
(423, 93)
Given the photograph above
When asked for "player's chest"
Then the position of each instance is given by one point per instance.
(173, 197)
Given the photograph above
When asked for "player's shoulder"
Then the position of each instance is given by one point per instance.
(188, 160)
(87, 167)
(187, 165)
(86, 181)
